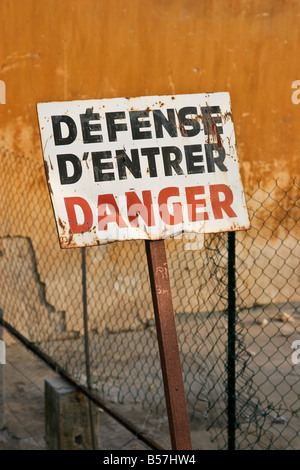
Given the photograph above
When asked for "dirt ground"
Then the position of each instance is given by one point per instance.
(24, 410)
(267, 391)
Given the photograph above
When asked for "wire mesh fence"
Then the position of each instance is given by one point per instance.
(269, 313)
(90, 311)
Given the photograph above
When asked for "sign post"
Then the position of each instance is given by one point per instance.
(145, 168)
(168, 345)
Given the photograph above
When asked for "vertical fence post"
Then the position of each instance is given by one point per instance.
(86, 342)
(2, 381)
(231, 403)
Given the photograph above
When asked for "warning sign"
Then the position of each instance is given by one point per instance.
(142, 168)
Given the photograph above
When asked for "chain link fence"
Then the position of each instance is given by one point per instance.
(89, 311)
(267, 268)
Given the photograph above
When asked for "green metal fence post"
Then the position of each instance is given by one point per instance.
(231, 403)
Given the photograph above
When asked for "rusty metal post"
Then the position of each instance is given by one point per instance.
(168, 345)
(87, 343)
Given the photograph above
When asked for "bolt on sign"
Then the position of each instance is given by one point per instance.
(142, 168)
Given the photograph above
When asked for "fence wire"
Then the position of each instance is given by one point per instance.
(90, 311)
(267, 268)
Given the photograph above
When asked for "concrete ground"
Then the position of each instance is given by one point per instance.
(270, 405)
(23, 403)
(23, 409)
(23, 406)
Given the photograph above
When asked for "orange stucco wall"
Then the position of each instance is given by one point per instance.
(78, 49)
(56, 50)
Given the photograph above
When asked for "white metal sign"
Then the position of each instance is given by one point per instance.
(142, 168)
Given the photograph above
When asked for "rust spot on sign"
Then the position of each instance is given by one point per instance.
(212, 127)
(228, 116)
(61, 224)
(70, 236)
(46, 170)
(181, 126)
(47, 175)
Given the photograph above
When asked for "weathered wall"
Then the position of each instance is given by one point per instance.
(80, 49)
(77, 49)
